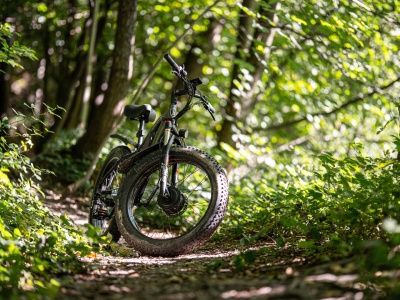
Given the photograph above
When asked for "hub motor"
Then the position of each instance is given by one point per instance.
(175, 204)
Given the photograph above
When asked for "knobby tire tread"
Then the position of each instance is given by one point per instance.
(202, 231)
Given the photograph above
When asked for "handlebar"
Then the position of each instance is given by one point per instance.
(190, 87)
(180, 72)
(173, 64)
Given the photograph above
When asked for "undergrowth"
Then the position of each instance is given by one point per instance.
(35, 245)
(328, 210)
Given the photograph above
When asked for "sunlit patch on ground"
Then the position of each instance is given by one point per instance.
(210, 272)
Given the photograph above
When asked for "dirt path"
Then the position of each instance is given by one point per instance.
(211, 272)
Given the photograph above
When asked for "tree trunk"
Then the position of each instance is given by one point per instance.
(4, 89)
(89, 69)
(205, 41)
(69, 80)
(245, 29)
(104, 120)
(239, 107)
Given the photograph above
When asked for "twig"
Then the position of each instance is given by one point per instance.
(150, 75)
(74, 186)
(335, 110)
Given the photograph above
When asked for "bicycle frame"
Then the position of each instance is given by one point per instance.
(163, 136)
(157, 210)
(159, 136)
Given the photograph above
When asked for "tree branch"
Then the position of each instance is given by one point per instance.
(74, 186)
(335, 110)
(152, 71)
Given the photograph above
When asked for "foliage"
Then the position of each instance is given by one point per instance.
(348, 197)
(57, 156)
(329, 82)
(324, 55)
(11, 54)
(333, 208)
(35, 245)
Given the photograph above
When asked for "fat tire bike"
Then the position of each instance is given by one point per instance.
(164, 197)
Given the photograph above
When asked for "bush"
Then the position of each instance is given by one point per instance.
(330, 206)
(35, 245)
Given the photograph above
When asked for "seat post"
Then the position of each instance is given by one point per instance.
(140, 132)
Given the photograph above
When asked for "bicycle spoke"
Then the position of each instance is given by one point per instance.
(185, 177)
(192, 194)
(192, 191)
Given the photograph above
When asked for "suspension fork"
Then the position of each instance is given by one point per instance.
(167, 144)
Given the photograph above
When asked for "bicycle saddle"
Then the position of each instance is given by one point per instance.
(137, 112)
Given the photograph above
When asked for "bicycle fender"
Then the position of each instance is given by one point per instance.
(127, 141)
(132, 158)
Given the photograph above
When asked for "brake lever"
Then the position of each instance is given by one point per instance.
(207, 105)
(212, 115)
(191, 90)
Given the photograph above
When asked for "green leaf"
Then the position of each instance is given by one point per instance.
(280, 241)
(215, 265)
(298, 20)
(306, 244)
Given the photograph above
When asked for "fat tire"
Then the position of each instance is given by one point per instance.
(110, 161)
(204, 228)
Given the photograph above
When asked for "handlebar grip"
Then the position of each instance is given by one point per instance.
(173, 64)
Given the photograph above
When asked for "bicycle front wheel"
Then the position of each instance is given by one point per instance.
(158, 226)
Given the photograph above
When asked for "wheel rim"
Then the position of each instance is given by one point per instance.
(193, 192)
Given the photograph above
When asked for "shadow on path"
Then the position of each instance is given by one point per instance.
(208, 273)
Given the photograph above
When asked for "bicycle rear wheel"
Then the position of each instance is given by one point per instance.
(168, 227)
(105, 191)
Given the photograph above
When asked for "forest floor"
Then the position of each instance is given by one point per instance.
(211, 272)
